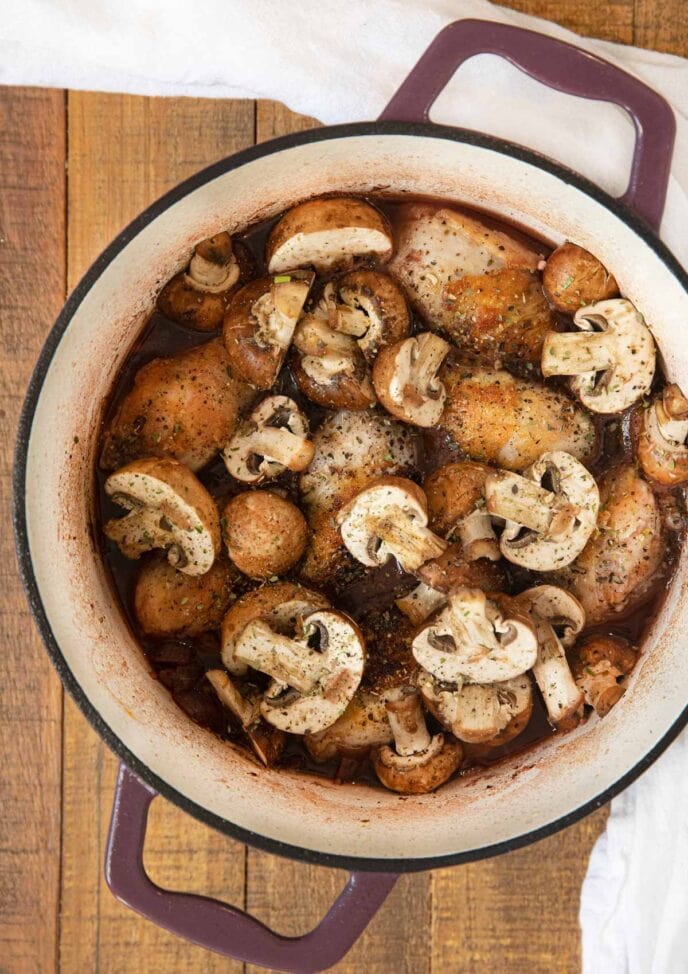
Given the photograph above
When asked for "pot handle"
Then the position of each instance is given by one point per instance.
(566, 68)
(218, 926)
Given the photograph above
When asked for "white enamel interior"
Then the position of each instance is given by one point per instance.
(349, 820)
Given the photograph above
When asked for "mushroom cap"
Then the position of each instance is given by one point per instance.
(281, 605)
(265, 534)
(559, 608)
(374, 309)
(611, 359)
(599, 666)
(405, 377)
(274, 438)
(544, 529)
(422, 775)
(342, 649)
(260, 322)
(497, 418)
(477, 712)
(168, 508)
(454, 568)
(168, 602)
(186, 407)
(329, 368)
(328, 234)
(198, 296)
(456, 508)
(661, 449)
(473, 640)
(393, 504)
(573, 277)
(363, 725)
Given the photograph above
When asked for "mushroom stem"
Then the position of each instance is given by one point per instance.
(210, 275)
(284, 659)
(279, 444)
(407, 721)
(420, 603)
(138, 532)
(408, 541)
(518, 499)
(351, 320)
(553, 675)
(573, 353)
(247, 713)
(427, 354)
(477, 537)
(277, 312)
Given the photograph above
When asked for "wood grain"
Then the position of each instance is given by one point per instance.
(32, 289)
(123, 153)
(518, 912)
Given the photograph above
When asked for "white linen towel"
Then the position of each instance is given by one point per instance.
(343, 62)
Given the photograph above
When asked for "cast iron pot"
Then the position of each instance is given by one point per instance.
(370, 831)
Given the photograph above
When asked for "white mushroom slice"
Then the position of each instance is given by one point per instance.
(325, 353)
(328, 233)
(372, 308)
(267, 742)
(612, 357)
(274, 439)
(168, 508)
(418, 762)
(277, 312)
(545, 528)
(477, 536)
(551, 609)
(389, 519)
(363, 725)
(405, 376)
(311, 687)
(471, 640)
(662, 449)
(208, 274)
(420, 603)
(477, 712)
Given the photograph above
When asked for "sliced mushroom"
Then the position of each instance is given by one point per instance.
(273, 439)
(600, 666)
(168, 508)
(389, 519)
(611, 358)
(418, 762)
(662, 449)
(169, 602)
(311, 687)
(266, 741)
(573, 277)
(624, 562)
(363, 725)
(456, 507)
(439, 576)
(282, 606)
(372, 308)
(186, 407)
(260, 322)
(546, 527)
(558, 617)
(498, 318)
(328, 234)
(421, 602)
(405, 376)
(265, 534)
(329, 367)
(479, 712)
(496, 418)
(352, 448)
(198, 296)
(473, 640)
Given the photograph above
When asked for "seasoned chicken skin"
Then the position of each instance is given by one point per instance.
(185, 407)
(496, 418)
(623, 563)
(437, 245)
(351, 448)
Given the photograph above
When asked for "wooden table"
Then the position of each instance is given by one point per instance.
(74, 168)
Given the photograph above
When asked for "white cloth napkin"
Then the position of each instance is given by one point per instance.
(343, 62)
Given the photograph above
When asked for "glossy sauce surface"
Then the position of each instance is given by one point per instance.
(368, 594)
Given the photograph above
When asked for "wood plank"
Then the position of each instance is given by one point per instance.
(32, 288)
(662, 26)
(610, 21)
(123, 153)
(397, 939)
